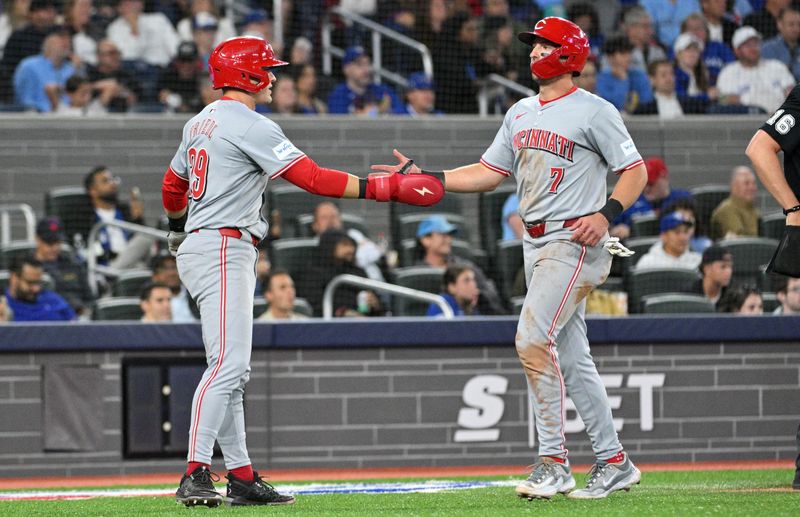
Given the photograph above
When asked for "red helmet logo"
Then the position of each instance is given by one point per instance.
(243, 63)
(571, 54)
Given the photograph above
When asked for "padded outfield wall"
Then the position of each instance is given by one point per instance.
(98, 399)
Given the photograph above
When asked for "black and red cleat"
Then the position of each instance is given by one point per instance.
(253, 493)
(197, 489)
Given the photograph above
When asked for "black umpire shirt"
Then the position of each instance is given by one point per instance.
(783, 127)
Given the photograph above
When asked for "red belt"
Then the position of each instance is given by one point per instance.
(537, 228)
(232, 232)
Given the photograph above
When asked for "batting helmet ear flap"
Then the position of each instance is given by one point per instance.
(571, 54)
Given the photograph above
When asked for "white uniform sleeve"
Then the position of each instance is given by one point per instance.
(608, 136)
(266, 145)
(178, 163)
(500, 156)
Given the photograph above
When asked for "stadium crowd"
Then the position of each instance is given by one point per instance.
(659, 57)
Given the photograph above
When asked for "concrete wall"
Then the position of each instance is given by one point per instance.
(368, 405)
(39, 153)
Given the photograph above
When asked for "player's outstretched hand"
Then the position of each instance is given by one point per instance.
(402, 161)
(589, 229)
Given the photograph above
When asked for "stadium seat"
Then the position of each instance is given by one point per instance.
(13, 251)
(423, 278)
(676, 303)
(131, 282)
(259, 307)
(645, 225)
(291, 201)
(508, 261)
(73, 206)
(354, 221)
(117, 308)
(408, 224)
(706, 199)
(640, 245)
(292, 254)
(301, 306)
(448, 205)
(772, 225)
(490, 213)
(770, 302)
(657, 281)
(749, 255)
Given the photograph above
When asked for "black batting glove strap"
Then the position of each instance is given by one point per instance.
(437, 174)
(611, 210)
(178, 225)
(362, 188)
(787, 211)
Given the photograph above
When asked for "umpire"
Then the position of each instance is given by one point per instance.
(779, 133)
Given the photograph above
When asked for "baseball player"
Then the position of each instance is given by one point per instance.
(780, 134)
(213, 194)
(559, 146)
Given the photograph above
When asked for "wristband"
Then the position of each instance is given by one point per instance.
(787, 211)
(362, 188)
(436, 174)
(611, 210)
(179, 224)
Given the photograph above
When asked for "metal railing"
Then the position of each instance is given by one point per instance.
(493, 86)
(5, 221)
(92, 267)
(377, 285)
(378, 32)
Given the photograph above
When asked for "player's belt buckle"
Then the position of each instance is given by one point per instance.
(538, 228)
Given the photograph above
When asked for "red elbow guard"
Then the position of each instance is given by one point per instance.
(173, 191)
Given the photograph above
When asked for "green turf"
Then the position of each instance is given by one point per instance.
(726, 493)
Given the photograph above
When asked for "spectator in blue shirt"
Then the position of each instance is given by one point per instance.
(784, 46)
(39, 80)
(668, 15)
(512, 223)
(28, 300)
(716, 54)
(691, 76)
(358, 85)
(618, 83)
(460, 291)
(420, 96)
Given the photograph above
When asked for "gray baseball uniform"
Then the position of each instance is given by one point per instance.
(228, 153)
(559, 153)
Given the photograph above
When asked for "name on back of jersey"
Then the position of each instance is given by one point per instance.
(547, 141)
(203, 127)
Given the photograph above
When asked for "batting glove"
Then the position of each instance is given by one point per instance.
(174, 240)
(613, 246)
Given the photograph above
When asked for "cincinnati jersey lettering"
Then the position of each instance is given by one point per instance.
(544, 140)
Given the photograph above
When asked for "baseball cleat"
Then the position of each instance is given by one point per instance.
(796, 482)
(607, 478)
(197, 489)
(547, 479)
(253, 493)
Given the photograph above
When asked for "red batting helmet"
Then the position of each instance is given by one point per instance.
(242, 63)
(572, 51)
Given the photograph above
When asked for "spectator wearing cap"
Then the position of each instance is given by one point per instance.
(28, 40)
(619, 83)
(765, 20)
(434, 249)
(657, 194)
(716, 54)
(258, 23)
(752, 80)
(666, 103)
(737, 216)
(39, 80)
(27, 298)
(155, 302)
(460, 291)
(637, 27)
(225, 27)
(716, 269)
(109, 76)
(147, 38)
(420, 96)
(204, 34)
(668, 16)
(672, 250)
(69, 276)
(179, 85)
(301, 52)
(358, 88)
(691, 75)
(784, 46)
(787, 290)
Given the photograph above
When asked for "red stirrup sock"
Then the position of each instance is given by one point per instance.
(193, 465)
(244, 473)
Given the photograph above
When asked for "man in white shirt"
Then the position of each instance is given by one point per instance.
(752, 81)
(280, 294)
(673, 249)
(155, 303)
(146, 37)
